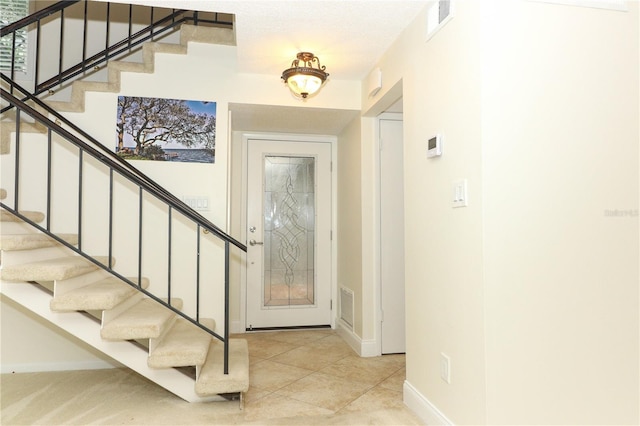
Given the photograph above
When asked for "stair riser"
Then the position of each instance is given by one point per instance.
(64, 286)
(155, 341)
(20, 257)
(12, 228)
(109, 315)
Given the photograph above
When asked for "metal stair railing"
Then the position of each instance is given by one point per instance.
(86, 145)
(133, 32)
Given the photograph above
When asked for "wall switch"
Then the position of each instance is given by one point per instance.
(445, 368)
(459, 196)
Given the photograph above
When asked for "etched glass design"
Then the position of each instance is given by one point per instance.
(289, 223)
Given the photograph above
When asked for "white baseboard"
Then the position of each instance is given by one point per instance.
(364, 348)
(58, 366)
(422, 407)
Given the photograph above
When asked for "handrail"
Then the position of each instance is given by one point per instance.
(87, 144)
(155, 28)
(126, 169)
(133, 175)
(36, 16)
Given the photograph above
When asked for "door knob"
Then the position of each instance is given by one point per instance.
(254, 243)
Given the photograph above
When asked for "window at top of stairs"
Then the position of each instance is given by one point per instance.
(11, 11)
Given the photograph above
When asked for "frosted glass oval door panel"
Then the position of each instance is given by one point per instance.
(288, 234)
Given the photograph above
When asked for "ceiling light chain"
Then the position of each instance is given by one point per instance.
(302, 78)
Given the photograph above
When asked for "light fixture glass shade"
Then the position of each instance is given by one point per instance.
(304, 85)
(302, 78)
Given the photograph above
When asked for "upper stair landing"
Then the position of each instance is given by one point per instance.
(188, 33)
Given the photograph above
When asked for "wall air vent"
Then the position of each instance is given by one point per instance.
(346, 306)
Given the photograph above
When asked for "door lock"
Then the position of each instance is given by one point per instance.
(255, 243)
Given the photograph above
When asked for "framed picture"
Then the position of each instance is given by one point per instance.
(159, 129)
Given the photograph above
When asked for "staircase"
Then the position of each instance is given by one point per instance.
(59, 276)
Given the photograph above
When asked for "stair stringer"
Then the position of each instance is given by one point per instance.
(78, 325)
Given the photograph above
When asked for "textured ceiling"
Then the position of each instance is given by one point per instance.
(348, 36)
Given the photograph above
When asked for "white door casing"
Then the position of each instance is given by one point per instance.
(287, 236)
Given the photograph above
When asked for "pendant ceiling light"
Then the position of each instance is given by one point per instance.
(302, 78)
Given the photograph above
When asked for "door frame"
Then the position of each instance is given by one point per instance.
(377, 278)
(288, 137)
(387, 116)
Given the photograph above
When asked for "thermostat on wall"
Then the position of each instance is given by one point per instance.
(434, 146)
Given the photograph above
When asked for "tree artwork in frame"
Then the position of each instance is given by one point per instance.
(160, 129)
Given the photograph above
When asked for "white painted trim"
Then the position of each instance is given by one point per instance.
(434, 9)
(229, 165)
(422, 407)
(364, 348)
(58, 366)
(334, 212)
(236, 327)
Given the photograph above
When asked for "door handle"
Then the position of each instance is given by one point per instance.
(254, 243)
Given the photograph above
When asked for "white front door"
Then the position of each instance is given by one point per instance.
(288, 234)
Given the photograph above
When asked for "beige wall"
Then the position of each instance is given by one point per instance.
(46, 348)
(212, 76)
(531, 290)
(560, 151)
(349, 217)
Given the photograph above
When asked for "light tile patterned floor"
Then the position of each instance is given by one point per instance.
(315, 371)
(308, 377)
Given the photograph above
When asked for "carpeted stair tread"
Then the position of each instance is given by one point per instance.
(184, 345)
(33, 241)
(144, 320)
(213, 381)
(36, 217)
(101, 295)
(51, 269)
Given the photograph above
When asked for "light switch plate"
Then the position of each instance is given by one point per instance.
(459, 197)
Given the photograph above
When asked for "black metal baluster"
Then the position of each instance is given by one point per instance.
(13, 58)
(17, 160)
(110, 216)
(198, 272)
(226, 307)
(169, 258)
(106, 41)
(84, 37)
(151, 24)
(141, 194)
(48, 179)
(61, 50)
(37, 66)
(80, 184)
(130, 25)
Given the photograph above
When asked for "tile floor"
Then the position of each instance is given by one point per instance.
(309, 377)
(316, 372)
